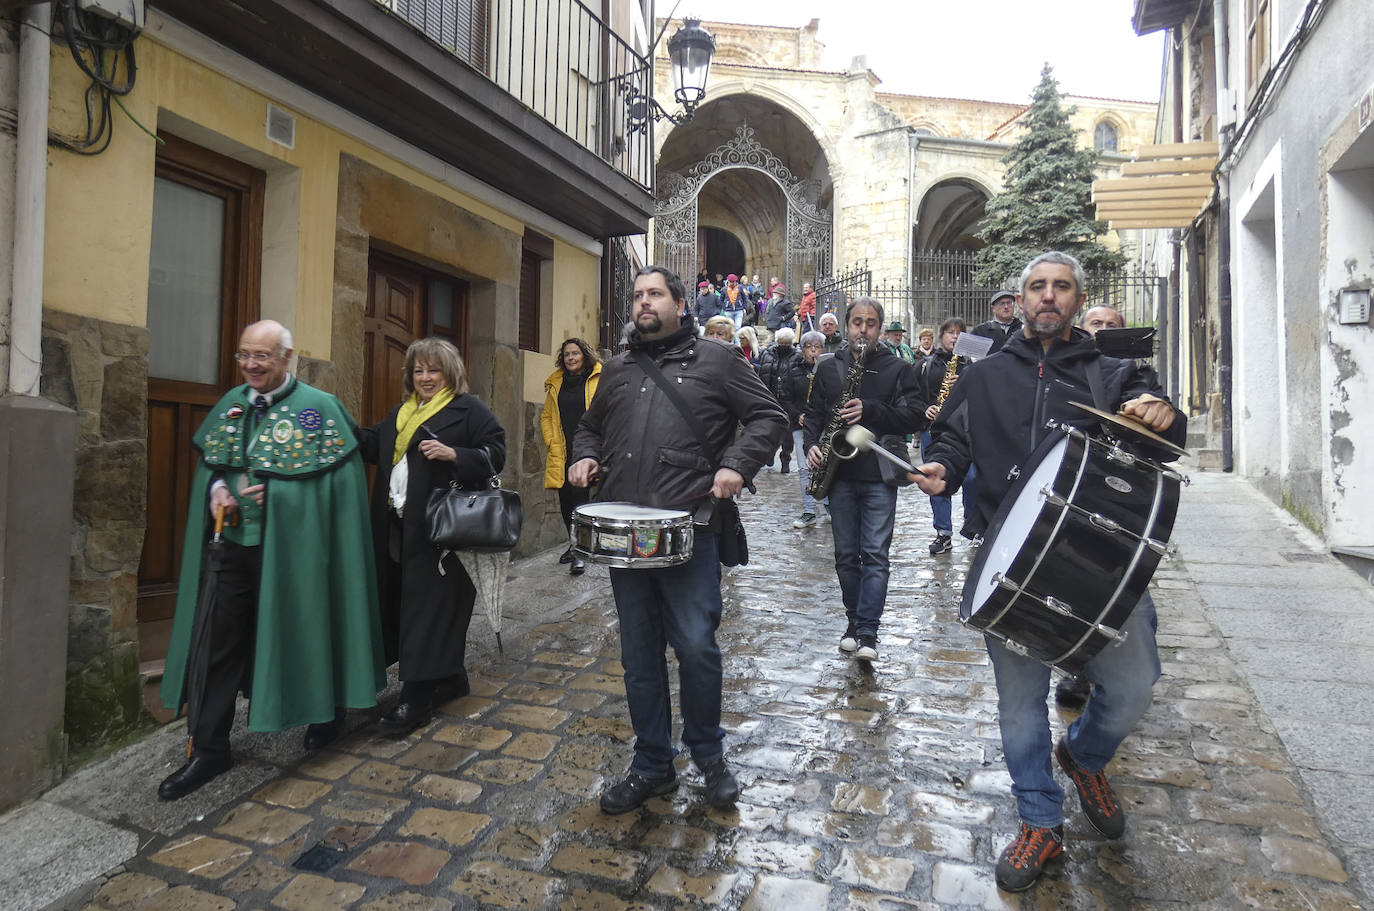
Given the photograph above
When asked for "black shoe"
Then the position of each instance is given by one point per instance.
(850, 640)
(1095, 795)
(405, 717)
(1024, 859)
(784, 467)
(455, 687)
(566, 557)
(1072, 693)
(578, 567)
(319, 735)
(868, 648)
(197, 771)
(632, 793)
(722, 788)
(942, 544)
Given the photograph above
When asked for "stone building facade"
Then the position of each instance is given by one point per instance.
(894, 174)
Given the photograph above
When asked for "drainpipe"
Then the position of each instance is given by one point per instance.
(30, 201)
(1222, 47)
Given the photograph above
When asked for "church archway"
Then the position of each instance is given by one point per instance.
(949, 216)
(749, 166)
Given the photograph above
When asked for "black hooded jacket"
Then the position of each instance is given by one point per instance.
(998, 411)
(892, 404)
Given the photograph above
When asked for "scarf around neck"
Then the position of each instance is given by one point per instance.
(412, 415)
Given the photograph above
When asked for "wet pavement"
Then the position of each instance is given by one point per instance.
(865, 787)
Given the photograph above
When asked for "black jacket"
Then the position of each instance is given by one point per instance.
(779, 368)
(997, 413)
(930, 376)
(892, 404)
(999, 334)
(425, 613)
(647, 451)
(706, 306)
(777, 314)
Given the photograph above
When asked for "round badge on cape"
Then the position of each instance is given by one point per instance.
(281, 431)
(310, 419)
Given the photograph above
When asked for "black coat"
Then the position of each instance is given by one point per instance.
(892, 404)
(648, 453)
(994, 330)
(997, 413)
(777, 314)
(425, 614)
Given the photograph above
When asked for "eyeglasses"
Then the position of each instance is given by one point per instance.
(254, 357)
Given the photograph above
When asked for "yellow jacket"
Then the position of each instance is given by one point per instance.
(551, 425)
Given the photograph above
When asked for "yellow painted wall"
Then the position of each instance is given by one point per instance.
(99, 211)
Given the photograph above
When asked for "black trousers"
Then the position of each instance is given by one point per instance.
(232, 632)
(570, 497)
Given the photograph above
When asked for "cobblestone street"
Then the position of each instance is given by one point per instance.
(864, 788)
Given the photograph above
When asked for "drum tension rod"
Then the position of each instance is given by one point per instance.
(1110, 526)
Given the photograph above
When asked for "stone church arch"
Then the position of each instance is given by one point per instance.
(949, 215)
(751, 167)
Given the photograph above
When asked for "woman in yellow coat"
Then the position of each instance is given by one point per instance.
(568, 392)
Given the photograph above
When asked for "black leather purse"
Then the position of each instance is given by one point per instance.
(487, 520)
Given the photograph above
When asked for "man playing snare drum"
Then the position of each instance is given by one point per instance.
(993, 420)
(643, 449)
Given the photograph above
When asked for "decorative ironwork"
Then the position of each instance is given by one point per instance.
(833, 292)
(621, 293)
(807, 247)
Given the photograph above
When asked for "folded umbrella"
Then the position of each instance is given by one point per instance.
(488, 574)
(198, 658)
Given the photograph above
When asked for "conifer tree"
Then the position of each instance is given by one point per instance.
(1047, 200)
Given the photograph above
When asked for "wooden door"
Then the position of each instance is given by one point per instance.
(204, 275)
(405, 301)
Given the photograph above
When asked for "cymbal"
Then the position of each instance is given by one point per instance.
(1131, 428)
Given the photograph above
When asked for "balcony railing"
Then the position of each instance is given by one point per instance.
(558, 59)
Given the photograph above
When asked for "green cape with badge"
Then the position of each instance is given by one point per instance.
(319, 641)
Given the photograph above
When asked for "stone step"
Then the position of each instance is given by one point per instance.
(1204, 458)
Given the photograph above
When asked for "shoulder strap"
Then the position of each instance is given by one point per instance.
(651, 370)
(1094, 371)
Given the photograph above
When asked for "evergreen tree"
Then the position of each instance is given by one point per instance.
(1047, 200)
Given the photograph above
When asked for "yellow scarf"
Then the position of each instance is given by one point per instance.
(412, 415)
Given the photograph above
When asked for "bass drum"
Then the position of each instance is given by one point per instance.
(1071, 550)
(631, 536)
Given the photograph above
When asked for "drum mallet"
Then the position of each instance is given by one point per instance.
(862, 438)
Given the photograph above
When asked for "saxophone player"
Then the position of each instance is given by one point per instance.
(864, 383)
(937, 376)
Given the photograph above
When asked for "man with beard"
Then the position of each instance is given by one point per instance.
(994, 420)
(647, 451)
(862, 507)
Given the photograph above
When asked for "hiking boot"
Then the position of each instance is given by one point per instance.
(850, 640)
(868, 648)
(722, 788)
(942, 544)
(805, 520)
(1095, 795)
(1024, 859)
(1072, 693)
(632, 792)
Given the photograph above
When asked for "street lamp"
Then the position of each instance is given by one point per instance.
(689, 51)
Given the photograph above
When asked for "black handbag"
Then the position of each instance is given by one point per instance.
(487, 520)
(894, 475)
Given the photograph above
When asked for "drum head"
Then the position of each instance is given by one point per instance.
(627, 512)
(1013, 523)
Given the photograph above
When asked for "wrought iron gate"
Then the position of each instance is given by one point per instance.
(807, 246)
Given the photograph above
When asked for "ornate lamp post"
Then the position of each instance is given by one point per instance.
(690, 51)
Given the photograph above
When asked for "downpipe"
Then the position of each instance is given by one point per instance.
(30, 200)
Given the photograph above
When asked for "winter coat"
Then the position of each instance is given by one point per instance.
(999, 334)
(930, 376)
(425, 613)
(775, 365)
(648, 453)
(707, 305)
(891, 402)
(794, 385)
(551, 425)
(997, 413)
(780, 313)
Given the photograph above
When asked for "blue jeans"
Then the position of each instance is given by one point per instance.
(861, 516)
(678, 606)
(736, 316)
(1123, 678)
(943, 507)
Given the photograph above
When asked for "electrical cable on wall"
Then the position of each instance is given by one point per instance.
(104, 50)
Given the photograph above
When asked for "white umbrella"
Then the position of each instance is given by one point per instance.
(488, 574)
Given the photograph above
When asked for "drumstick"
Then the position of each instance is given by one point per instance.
(862, 438)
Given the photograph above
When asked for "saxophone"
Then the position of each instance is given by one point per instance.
(946, 384)
(833, 445)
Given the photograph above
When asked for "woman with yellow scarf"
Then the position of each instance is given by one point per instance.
(438, 433)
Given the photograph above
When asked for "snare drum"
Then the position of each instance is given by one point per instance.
(631, 536)
(1071, 549)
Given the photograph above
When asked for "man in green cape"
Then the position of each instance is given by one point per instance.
(289, 611)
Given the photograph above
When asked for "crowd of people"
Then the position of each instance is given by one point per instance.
(312, 588)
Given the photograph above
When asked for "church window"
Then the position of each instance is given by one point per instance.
(1104, 137)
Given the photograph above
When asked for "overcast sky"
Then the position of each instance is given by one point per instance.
(984, 49)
